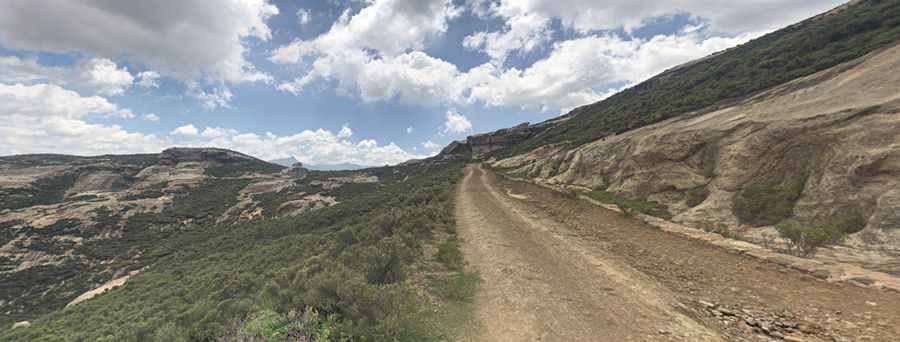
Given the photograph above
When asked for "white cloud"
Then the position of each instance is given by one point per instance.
(734, 17)
(575, 72)
(186, 130)
(430, 145)
(456, 123)
(389, 27)
(50, 100)
(14, 70)
(303, 17)
(41, 118)
(103, 75)
(409, 130)
(150, 117)
(345, 132)
(148, 79)
(568, 76)
(182, 38)
(319, 146)
(524, 32)
(217, 97)
(374, 53)
(97, 75)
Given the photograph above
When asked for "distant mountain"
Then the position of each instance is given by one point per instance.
(319, 167)
(286, 162)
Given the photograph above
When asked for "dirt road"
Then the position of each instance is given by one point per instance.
(555, 268)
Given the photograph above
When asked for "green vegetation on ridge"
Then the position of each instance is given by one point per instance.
(351, 271)
(787, 54)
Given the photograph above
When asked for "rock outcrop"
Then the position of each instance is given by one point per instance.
(499, 139)
(821, 148)
(175, 155)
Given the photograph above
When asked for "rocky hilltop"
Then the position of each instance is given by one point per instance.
(70, 224)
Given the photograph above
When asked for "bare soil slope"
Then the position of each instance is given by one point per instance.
(556, 268)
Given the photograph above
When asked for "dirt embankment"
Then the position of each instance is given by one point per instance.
(557, 268)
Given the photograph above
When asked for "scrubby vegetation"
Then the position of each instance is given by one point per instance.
(781, 56)
(803, 240)
(208, 201)
(767, 203)
(630, 206)
(242, 167)
(342, 272)
(44, 191)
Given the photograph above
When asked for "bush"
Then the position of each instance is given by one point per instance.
(632, 206)
(696, 196)
(804, 240)
(449, 254)
(767, 204)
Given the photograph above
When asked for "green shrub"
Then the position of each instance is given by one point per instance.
(767, 204)
(450, 255)
(804, 240)
(645, 207)
(695, 196)
(458, 287)
(347, 263)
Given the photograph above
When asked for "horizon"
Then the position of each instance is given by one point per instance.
(338, 82)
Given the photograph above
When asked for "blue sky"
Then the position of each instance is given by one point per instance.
(367, 81)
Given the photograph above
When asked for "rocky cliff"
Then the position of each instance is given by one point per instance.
(823, 148)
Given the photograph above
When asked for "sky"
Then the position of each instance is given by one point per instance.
(368, 82)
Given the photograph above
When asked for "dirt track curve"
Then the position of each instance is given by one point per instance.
(555, 268)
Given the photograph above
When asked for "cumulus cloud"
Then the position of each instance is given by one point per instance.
(723, 15)
(103, 75)
(303, 17)
(524, 32)
(456, 123)
(568, 76)
(389, 27)
(150, 117)
(319, 146)
(148, 79)
(14, 70)
(575, 72)
(182, 38)
(97, 75)
(186, 130)
(430, 145)
(50, 100)
(49, 118)
(217, 97)
(375, 53)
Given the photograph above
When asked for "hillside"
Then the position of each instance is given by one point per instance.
(824, 41)
(160, 222)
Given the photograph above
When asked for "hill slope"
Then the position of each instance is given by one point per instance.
(159, 222)
(739, 141)
(824, 41)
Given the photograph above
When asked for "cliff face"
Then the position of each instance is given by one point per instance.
(824, 147)
(499, 139)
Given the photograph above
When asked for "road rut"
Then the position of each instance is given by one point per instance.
(540, 283)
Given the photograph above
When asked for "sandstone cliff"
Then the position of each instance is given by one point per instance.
(823, 147)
